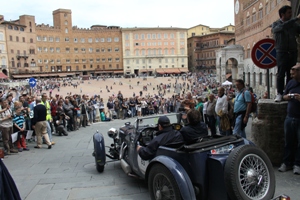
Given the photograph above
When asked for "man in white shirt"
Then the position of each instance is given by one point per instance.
(222, 109)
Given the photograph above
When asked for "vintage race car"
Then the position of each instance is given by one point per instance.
(214, 168)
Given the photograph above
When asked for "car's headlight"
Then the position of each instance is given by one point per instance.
(222, 150)
(112, 132)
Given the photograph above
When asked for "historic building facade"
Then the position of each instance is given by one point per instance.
(3, 50)
(20, 45)
(202, 49)
(154, 50)
(66, 50)
(253, 20)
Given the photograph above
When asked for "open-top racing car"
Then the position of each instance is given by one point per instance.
(213, 167)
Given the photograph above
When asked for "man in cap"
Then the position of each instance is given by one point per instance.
(166, 135)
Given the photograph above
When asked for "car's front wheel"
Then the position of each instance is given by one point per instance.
(162, 185)
(249, 174)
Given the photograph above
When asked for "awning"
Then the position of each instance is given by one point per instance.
(172, 71)
(184, 70)
(21, 75)
(119, 72)
(107, 71)
(160, 71)
(142, 71)
(128, 71)
(227, 76)
(3, 76)
(65, 74)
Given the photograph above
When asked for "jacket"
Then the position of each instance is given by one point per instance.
(164, 137)
(191, 133)
(285, 34)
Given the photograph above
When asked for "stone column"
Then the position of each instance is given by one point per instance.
(268, 128)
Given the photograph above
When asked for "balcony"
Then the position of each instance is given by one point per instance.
(19, 56)
(3, 66)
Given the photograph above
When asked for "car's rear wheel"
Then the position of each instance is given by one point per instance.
(249, 174)
(100, 168)
(162, 185)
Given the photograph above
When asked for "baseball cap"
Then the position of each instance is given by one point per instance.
(163, 121)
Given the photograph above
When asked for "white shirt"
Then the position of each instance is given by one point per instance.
(205, 108)
(222, 104)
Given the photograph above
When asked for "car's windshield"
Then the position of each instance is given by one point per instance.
(153, 119)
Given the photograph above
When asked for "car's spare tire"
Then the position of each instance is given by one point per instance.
(249, 174)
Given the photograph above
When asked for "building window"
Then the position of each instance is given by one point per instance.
(248, 21)
(102, 39)
(126, 36)
(66, 30)
(97, 40)
(66, 39)
(67, 50)
(76, 60)
(75, 40)
(76, 50)
(83, 60)
(82, 40)
(153, 36)
(254, 17)
(117, 59)
(142, 36)
(182, 51)
(166, 51)
(103, 59)
(9, 27)
(91, 60)
(116, 39)
(98, 60)
(136, 36)
(57, 49)
(10, 38)
(90, 50)
(260, 14)
(31, 51)
(166, 60)
(66, 22)
(97, 50)
(58, 61)
(45, 39)
(50, 39)
(91, 66)
(16, 28)
(39, 49)
(248, 53)
(102, 50)
(84, 67)
(31, 40)
(182, 35)
(182, 43)
(108, 49)
(149, 36)
(90, 40)
(116, 49)
(45, 49)
(57, 39)
(82, 49)
(109, 39)
(166, 43)
(17, 38)
(109, 59)
(23, 39)
(165, 36)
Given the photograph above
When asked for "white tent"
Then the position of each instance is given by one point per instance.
(227, 83)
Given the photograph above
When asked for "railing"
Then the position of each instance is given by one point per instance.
(22, 55)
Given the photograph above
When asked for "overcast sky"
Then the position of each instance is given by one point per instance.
(127, 13)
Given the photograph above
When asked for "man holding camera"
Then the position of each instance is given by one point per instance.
(291, 156)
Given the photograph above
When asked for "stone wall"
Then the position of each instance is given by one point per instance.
(268, 128)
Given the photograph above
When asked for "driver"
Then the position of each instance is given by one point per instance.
(166, 135)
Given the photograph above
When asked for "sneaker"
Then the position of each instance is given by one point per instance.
(284, 168)
(52, 143)
(296, 169)
(278, 98)
(13, 151)
(20, 149)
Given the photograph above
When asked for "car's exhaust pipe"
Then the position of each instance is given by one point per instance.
(125, 166)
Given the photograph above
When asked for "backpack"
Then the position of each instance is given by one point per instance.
(253, 102)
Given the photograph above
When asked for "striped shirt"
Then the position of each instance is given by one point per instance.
(19, 120)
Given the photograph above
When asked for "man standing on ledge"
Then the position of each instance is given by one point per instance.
(285, 31)
(291, 155)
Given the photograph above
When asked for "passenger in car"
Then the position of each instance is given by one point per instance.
(195, 127)
(165, 136)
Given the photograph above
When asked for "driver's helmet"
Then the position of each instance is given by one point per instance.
(112, 132)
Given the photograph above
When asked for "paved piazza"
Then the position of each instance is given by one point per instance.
(93, 87)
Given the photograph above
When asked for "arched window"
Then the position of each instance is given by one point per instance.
(66, 30)
(66, 22)
(9, 27)
(16, 28)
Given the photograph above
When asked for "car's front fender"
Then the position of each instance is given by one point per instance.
(184, 182)
(99, 148)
